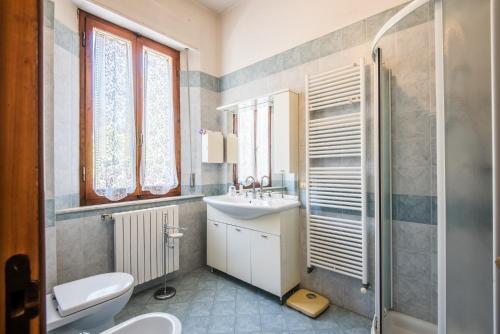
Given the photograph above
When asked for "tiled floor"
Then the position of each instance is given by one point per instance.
(215, 303)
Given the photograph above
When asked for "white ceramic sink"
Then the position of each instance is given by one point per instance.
(248, 208)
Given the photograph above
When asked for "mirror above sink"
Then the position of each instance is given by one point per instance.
(267, 140)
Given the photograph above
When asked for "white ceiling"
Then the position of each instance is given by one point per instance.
(217, 5)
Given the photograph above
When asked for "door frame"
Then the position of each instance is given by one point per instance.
(21, 130)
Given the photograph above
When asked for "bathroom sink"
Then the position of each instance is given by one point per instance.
(248, 208)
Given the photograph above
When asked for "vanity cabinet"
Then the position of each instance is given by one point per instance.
(216, 245)
(263, 251)
(238, 253)
(266, 273)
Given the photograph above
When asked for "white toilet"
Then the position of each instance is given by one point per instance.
(89, 304)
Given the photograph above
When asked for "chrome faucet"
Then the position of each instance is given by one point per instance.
(262, 185)
(254, 195)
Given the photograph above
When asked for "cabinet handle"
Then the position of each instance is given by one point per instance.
(237, 229)
(264, 236)
(216, 224)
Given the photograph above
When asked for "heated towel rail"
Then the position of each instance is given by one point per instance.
(336, 176)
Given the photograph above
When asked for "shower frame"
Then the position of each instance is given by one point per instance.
(376, 57)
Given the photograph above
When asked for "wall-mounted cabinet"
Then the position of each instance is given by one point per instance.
(231, 148)
(212, 147)
(285, 141)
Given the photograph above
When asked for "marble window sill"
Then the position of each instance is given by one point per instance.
(91, 210)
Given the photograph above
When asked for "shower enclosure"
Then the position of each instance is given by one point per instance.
(403, 57)
(433, 169)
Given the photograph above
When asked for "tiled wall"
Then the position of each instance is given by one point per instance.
(66, 116)
(413, 142)
(85, 242)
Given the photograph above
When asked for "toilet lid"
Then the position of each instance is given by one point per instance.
(84, 293)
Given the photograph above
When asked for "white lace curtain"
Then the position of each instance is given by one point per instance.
(114, 120)
(158, 167)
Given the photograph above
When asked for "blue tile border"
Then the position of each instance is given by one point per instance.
(66, 38)
(50, 212)
(67, 201)
(48, 14)
(200, 79)
(408, 208)
(347, 37)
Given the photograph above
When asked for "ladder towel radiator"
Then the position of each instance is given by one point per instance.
(336, 171)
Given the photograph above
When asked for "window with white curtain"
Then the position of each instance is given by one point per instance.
(254, 129)
(130, 115)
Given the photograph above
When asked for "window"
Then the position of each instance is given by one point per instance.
(129, 132)
(252, 123)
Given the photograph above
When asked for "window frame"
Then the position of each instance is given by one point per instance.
(235, 131)
(86, 23)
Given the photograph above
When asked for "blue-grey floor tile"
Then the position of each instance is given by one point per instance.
(247, 306)
(222, 324)
(348, 320)
(297, 321)
(357, 331)
(181, 296)
(226, 283)
(198, 309)
(225, 294)
(247, 323)
(207, 284)
(134, 310)
(204, 296)
(330, 331)
(223, 308)
(273, 322)
(196, 325)
(269, 307)
(180, 310)
(327, 321)
(212, 303)
(246, 294)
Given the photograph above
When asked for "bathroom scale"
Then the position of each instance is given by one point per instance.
(308, 302)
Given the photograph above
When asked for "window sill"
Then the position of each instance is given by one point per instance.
(90, 210)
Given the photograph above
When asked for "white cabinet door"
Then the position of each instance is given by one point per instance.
(216, 245)
(266, 264)
(238, 253)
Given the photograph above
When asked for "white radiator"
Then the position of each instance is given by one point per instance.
(335, 243)
(138, 242)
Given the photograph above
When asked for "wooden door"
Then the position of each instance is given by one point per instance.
(21, 194)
